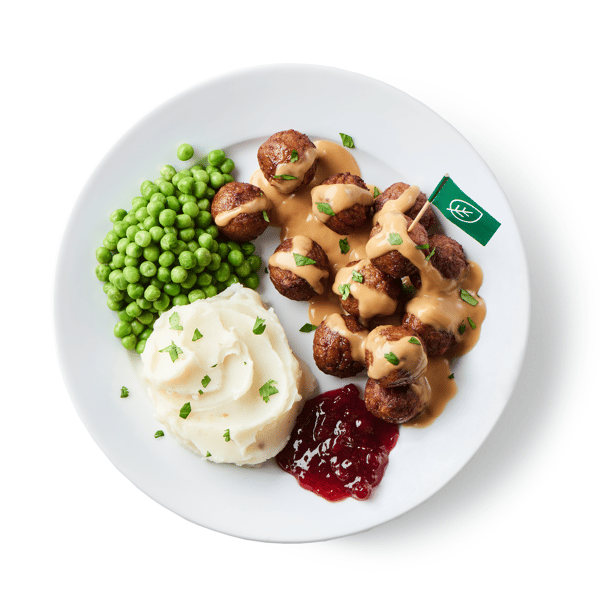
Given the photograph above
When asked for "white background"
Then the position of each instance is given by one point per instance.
(520, 81)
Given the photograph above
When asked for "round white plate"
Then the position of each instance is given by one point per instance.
(397, 139)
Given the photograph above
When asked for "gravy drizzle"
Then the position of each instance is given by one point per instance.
(438, 302)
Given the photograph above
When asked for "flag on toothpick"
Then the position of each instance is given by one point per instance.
(464, 212)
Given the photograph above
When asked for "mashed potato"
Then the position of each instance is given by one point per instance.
(242, 382)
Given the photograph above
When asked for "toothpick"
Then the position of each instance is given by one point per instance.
(429, 202)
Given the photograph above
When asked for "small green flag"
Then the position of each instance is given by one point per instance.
(464, 212)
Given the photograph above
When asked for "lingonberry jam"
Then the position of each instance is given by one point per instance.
(338, 449)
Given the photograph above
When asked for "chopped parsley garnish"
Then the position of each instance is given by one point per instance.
(422, 247)
(159, 433)
(430, 254)
(471, 323)
(414, 340)
(376, 192)
(451, 376)
(213, 366)
(344, 246)
(294, 157)
(464, 295)
(409, 288)
(324, 207)
(344, 290)
(356, 276)
(205, 381)
(197, 335)
(303, 261)
(200, 392)
(392, 358)
(124, 392)
(268, 390)
(394, 239)
(461, 328)
(208, 454)
(173, 350)
(285, 176)
(227, 435)
(185, 411)
(174, 322)
(347, 141)
(307, 327)
(259, 326)
(266, 216)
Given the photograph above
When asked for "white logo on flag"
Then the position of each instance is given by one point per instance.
(463, 211)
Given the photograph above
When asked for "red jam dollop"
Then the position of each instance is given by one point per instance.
(338, 449)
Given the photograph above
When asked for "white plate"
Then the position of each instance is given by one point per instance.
(397, 139)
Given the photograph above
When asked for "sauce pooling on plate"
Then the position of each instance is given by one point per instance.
(338, 449)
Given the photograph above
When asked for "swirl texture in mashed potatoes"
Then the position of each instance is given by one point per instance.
(221, 375)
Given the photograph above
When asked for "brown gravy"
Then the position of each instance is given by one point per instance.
(437, 303)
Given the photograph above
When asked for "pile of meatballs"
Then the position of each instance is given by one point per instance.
(402, 395)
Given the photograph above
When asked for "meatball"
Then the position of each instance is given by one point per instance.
(285, 272)
(297, 155)
(349, 219)
(394, 192)
(408, 349)
(238, 211)
(437, 342)
(393, 262)
(376, 280)
(397, 404)
(334, 352)
(449, 257)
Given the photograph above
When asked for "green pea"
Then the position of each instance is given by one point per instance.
(232, 279)
(193, 245)
(178, 274)
(203, 256)
(117, 215)
(166, 259)
(179, 247)
(147, 189)
(204, 279)
(173, 203)
(122, 328)
(216, 180)
(215, 262)
(199, 188)
(120, 228)
(243, 270)
(163, 274)
(188, 235)
(183, 221)
(114, 304)
(103, 272)
(204, 204)
(212, 230)
(210, 291)
(210, 169)
(180, 300)
(119, 281)
(151, 252)
(157, 233)
(146, 317)
(168, 241)
(185, 152)
(196, 295)
(103, 255)
(235, 258)
(135, 290)
(141, 214)
(140, 346)
(152, 293)
(133, 250)
(150, 222)
(227, 178)
(166, 188)
(131, 274)
(172, 289)
(214, 247)
(248, 248)
(143, 239)
(136, 327)
(205, 240)
(223, 272)
(155, 208)
(129, 342)
(254, 261)
(138, 202)
(133, 310)
(130, 219)
(146, 333)
(220, 286)
(162, 303)
(107, 287)
(216, 157)
(204, 219)
(252, 281)
(110, 241)
(191, 209)
(115, 294)
(186, 185)
(167, 172)
(227, 166)
(144, 303)
(122, 245)
(187, 260)
(200, 175)
(167, 217)
(190, 281)
(148, 269)
(131, 231)
(118, 261)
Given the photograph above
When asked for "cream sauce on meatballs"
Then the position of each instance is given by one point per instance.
(255, 205)
(440, 303)
(339, 197)
(357, 340)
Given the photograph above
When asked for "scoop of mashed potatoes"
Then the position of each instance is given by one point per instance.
(229, 358)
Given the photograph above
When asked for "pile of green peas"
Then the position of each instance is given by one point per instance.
(166, 250)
